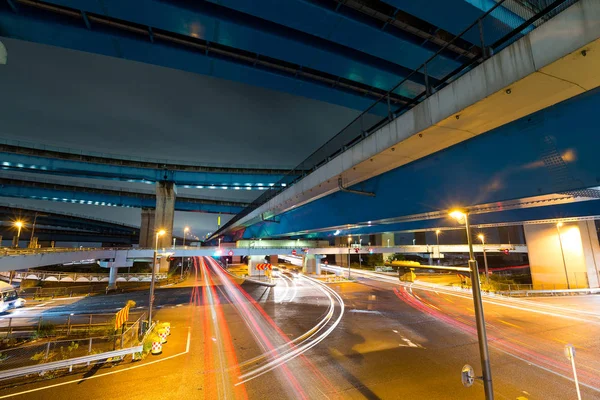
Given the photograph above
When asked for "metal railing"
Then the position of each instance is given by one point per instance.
(60, 325)
(56, 354)
(79, 276)
(69, 362)
(494, 30)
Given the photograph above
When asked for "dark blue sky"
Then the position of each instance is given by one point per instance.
(88, 102)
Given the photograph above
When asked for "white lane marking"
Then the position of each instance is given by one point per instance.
(187, 350)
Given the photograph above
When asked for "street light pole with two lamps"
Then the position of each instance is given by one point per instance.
(463, 216)
(151, 300)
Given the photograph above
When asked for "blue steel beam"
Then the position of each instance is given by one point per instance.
(49, 162)
(218, 24)
(581, 209)
(551, 151)
(455, 15)
(107, 197)
(346, 27)
(331, 70)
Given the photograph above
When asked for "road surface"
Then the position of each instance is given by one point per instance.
(291, 342)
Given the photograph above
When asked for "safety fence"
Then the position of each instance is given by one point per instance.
(61, 325)
(502, 24)
(51, 351)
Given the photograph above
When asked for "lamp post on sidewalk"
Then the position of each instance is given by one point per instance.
(562, 253)
(482, 238)
(437, 238)
(349, 247)
(463, 217)
(151, 300)
(18, 225)
(185, 231)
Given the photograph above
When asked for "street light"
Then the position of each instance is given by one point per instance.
(151, 301)
(185, 231)
(482, 238)
(360, 254)
(437, 238)
(463, 216)
(562, 252)
(18, 225)
(349, 241)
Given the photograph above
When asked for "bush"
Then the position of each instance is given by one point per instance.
(45, 329)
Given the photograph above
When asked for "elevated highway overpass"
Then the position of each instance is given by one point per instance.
(506, 104)
(120, 257)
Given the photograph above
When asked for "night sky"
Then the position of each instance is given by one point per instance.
(93, 103)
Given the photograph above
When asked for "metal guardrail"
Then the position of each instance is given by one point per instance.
(492, 36)
(560, 292)
(69, 363)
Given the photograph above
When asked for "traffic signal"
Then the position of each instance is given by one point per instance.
(506, 251)
(370, 251)
(356, 250)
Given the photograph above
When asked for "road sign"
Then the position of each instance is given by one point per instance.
(467, 375)
(294, 252)
(230, 253)
(262, 267)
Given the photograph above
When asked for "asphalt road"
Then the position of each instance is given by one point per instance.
(392, 342)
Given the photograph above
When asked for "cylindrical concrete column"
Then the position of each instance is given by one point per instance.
(112, 277)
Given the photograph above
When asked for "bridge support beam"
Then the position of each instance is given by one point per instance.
(147, 228)
(166, 192)
(563, 256)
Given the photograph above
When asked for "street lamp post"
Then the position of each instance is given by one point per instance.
(360, 254)
(478, 306)
(487, 278)
(151, 300)
(349, 247)
(562, 253)
(437, 238)
(18, 225)
(185, 231)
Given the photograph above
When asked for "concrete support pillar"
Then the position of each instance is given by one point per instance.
(166, 192)
(573, 259)
(591, 251)
(274, 259)
(387, 239)
(311, 264)
(112, 277)
(147, 228)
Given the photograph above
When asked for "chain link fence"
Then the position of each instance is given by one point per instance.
(56, 350)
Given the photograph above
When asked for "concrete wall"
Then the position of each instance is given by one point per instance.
(580, 250)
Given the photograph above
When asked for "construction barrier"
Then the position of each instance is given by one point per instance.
(167, 327)
(156, 347)
(162, 334)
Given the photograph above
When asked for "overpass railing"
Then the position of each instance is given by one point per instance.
(503, 24)
(57, 276)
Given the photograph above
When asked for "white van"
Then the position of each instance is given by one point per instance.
(9, 298)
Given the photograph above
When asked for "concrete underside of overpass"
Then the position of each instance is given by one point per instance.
(555, 62)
